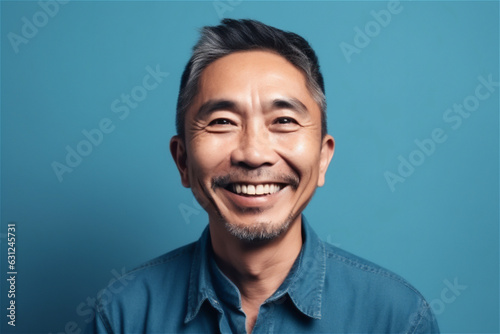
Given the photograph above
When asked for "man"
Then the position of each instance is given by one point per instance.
(252, 145)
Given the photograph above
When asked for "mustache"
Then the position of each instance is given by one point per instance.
(223, 181)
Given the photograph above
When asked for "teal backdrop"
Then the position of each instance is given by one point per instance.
(88, 95)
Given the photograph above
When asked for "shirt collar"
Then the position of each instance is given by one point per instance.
(304, 284)
(200, 282)
(307, 277)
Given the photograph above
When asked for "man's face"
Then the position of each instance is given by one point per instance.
(253, 153)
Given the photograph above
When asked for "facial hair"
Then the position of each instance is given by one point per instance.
(258, 231)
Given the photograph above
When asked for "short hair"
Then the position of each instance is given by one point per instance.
(244, 35)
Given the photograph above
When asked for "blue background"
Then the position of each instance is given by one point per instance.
(124, 204)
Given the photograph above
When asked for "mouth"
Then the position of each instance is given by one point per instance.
(261, 189)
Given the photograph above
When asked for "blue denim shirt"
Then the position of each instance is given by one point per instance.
(328, 290)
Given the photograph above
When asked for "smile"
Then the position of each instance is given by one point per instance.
(255, 189)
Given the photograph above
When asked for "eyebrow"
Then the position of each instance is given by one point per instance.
(290, 103)
(214, 105)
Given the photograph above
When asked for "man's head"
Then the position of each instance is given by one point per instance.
(252, 143)
(244, 35)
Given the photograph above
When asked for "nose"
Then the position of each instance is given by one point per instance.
(254, 148)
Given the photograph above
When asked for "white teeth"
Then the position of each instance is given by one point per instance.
(259, 189)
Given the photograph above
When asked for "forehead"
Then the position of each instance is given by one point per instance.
(262, 61)
(253, 74)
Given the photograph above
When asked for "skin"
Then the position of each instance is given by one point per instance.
(253, 122)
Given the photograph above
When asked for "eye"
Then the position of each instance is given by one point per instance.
(220, 121)
(285, 124)
(285, 120)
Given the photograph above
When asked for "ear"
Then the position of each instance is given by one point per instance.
(178, 151)
(326, 154)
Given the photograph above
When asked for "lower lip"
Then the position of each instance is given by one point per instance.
(253, 201)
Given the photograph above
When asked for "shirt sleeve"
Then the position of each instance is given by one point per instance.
(99, 325)
(425, 321)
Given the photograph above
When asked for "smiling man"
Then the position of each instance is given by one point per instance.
(252, 145)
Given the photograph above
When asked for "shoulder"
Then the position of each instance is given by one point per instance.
(166, 262)
(345, 263)
(176, 263)
(378, 292)
(149, 289)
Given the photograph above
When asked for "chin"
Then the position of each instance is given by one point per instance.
(259, 231)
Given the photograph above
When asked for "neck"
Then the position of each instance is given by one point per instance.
(256, 268)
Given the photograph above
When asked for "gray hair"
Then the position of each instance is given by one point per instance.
(243, 35)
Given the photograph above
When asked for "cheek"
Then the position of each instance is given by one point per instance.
(207, 155)
(301, 152)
